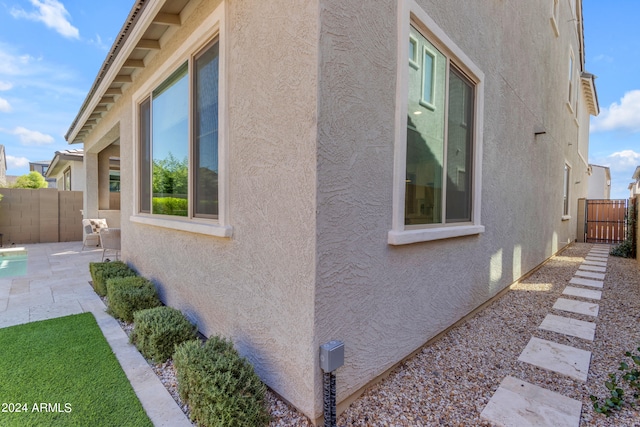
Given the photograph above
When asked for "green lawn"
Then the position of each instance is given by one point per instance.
(62, 372)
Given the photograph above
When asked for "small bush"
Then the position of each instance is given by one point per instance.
(127, 295)
(103, 271)
(220, 387)
(158, 330)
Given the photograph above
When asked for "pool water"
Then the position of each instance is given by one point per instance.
(13, 262)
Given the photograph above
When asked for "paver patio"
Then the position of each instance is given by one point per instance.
(57, 284)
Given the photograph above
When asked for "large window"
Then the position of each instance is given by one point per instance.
(438, 140)
(178, 141)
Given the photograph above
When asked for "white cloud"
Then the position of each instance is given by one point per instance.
(626, 159)
(5, 107)
(32, 137)
(624, 115)
(53, 14)
(5, 86)
(16, 162)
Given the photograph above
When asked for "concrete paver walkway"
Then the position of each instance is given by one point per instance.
(57, 284)
(529, 405)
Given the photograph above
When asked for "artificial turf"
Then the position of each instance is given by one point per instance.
(62, 372)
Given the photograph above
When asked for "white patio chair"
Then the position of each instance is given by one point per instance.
(110, 241)
(91, 231)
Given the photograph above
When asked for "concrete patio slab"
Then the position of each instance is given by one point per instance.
(563, 359)
(586, 282)
(568, 326)
(518, 403)
(589, 274)
(592, 268)
(582, 293)
(587, 308)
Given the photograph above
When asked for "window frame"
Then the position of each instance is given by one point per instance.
(566, 191)
(410, 13)
(210, 30)
(555, 13)
(572, 82)
(67, 172)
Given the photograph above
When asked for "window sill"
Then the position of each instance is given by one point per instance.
(406, 237)
(190, 226)
(566, 217)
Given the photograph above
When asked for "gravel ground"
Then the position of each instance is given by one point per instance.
(449, 382)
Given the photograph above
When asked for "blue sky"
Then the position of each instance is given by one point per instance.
(51, 50)
(50, 53)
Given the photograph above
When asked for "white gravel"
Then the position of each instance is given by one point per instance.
(449, 382)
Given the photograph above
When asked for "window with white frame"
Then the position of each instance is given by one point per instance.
(66, 181)
(572, 88)
(178, 141)
(438, 139)
(554, 16)
(565, 192)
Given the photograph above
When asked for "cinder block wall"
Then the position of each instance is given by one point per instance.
(40, 216)
(70, 216)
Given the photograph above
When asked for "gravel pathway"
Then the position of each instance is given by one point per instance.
(449, 382)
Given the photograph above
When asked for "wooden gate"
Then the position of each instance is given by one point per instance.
(605, 221)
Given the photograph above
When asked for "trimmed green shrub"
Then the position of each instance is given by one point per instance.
(127, 295)
(221, 388)
(158, 330)
(103, 271)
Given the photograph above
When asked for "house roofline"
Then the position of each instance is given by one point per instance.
(119, 42)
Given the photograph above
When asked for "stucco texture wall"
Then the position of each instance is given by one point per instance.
(385, 301)
(258, 286)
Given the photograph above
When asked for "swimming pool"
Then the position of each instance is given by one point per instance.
(13, 262)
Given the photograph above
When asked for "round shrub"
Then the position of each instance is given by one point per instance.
(158, 330)
(221, 388)
(103, 271)
(127, 295)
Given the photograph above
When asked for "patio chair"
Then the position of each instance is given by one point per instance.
(91, 230)
(110, 241)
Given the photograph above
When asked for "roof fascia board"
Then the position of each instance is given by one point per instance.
(135, 34)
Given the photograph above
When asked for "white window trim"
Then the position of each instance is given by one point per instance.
(567, 216)
(572, 81)
(213, 26)
(413, 63)
(424, 102)
(399, 234)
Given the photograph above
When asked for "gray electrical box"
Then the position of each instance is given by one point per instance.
(331, 355)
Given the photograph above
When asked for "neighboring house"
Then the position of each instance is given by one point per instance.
(599, 182)
(3, 167)
(41, 167)
(67, 169)
(297, 172)
(634, 187)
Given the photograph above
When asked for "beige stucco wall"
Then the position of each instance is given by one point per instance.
(258, 286)
(311, 89)
(384, 301)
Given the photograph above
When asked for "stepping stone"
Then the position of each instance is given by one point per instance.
(598, 263)
(592, 268)
(568, 326)
(582, 293)
(596, 258)
(589, 274)
(563, 359)
(518, 403)
(586, 282)
(587, 308)
(599, 253)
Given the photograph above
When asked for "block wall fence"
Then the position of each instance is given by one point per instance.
(40, 216)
